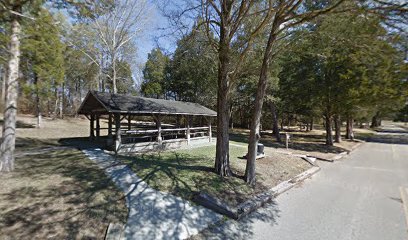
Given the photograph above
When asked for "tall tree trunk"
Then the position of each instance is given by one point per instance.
(115, 90)
(10, 111)
(48, 114)
(349, 128)
(37, 101)
(250, 176)
(99, 75)
(102, 76)
(222, 166)
(337, 127)
(275, 127)
(56, 104)
(375, 121)
(230, 117)
(328, 126)
(3, 86)
(329, 129)
(281, 124)
(61, 100)
(311, 124)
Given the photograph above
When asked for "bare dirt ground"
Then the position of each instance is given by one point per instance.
(56, 192)
(400, 124)
(301, 142)
(275, 167)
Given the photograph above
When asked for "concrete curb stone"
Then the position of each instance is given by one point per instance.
(254, 203)
(345, 153)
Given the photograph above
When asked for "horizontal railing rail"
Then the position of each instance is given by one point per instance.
(163, 130)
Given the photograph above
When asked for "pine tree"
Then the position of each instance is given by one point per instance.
(154, 84)
(43, 59)
(192, 74)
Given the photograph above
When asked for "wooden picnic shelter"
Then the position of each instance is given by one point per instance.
(137, 124)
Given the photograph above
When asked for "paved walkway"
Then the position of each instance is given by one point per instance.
(152, 214)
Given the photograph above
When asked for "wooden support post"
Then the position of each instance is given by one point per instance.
(118, 140)
(91, 127)
(177, 124)
(109, 141)
(129, 122)
(110, 125)
(98, 127)
(188, 130)
(177, 121)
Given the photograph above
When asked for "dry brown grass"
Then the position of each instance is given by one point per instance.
(56, 192)
(53, 128)
(304, 142)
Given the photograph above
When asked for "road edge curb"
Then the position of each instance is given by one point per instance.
(255, 202)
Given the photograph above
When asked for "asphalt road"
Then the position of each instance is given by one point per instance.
(359, 197)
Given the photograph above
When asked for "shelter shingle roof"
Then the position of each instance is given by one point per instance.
(111, 103)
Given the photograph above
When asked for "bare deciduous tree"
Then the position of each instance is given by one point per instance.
(117, 28)
(227, 18)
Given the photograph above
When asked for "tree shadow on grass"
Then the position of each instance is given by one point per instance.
(59, 194)
(83, 142)
(186, 174)
(24, 144)
(181, 175)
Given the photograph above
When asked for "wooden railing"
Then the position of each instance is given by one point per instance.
(140, 134)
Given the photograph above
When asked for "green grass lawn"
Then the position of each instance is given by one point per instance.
(56, 193)
(184, 172)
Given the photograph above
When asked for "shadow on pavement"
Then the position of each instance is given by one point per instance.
(242, 229)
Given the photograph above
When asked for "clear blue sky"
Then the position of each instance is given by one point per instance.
(151, 34)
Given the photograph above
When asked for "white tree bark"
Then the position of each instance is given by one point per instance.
(118, 28)
(10, 111)
(61, 101)
(3, 87)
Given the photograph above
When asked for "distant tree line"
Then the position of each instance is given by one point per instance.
(344, 67)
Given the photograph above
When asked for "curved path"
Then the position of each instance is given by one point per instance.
(152, 214)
